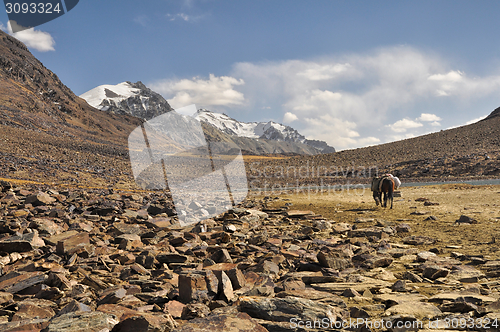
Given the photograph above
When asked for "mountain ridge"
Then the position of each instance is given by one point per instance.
(255, 138)
(469, 151)
(259, 130)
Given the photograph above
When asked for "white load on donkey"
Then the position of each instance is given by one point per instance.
(386, 184)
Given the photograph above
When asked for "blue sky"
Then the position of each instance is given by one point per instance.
(352, 73)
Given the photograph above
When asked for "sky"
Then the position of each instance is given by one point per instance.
(351, 73)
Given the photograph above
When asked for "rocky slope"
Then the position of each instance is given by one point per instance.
(32, 97)
(471, 151)
(49, 134)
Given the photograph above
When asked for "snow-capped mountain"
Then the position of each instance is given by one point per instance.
(262, 130)
(127, 98)
(255, 137)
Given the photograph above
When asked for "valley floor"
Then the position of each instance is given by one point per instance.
(416, 204)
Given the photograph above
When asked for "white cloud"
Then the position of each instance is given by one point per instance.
(142, 20)
(315, 100)
(318, 72)
(289, 117)
(372, 90)
(343, 95)
(216, 91)
(34, 39)
(393, 138)
(476, 120)
(429, 117)
(184, 17)
(403, 125)
(451, 77)
(336, 132)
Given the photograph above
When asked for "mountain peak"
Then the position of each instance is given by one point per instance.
(259, 130)
(134, 99)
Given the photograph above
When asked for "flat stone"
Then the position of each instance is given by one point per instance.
(417, 309)
(335, 259)
(46, 226)
(39, 199)
(338, 288)
(435, 271)
(14, 282)
(112, 296)
(32, 309)
(31, 325)
(240, 322)
(396, 298)
(74, 306)
(378, 232)
(172, 258)
(70, 243)
(466, 274)
(175, 308)
(419, 240)
(54, 239)
(82, 322)
(23, 243)
(284, 309)
(298, 214)
(311, 277)
(307, 293)
(117, 310)
(146, 323)
(454, 296)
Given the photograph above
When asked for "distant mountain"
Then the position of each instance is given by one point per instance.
(254, 138)
(128, 98)
(259, 130)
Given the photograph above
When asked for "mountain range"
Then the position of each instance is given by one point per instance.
(137, 100)
(50, 135)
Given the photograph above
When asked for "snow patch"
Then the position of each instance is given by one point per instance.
(96, 96)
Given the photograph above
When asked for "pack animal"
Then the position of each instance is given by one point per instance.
(383, 185)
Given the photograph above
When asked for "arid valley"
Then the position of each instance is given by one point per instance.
(83, 247)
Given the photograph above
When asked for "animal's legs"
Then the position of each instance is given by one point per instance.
(376, 197)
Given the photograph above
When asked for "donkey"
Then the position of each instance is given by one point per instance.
(384, 185)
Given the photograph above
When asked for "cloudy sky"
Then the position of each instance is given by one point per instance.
(351, 73)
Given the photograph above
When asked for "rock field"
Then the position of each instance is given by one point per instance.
(99, 260)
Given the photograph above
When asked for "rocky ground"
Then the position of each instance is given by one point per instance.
(104, 260)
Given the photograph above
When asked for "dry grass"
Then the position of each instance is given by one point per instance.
(479, 202)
